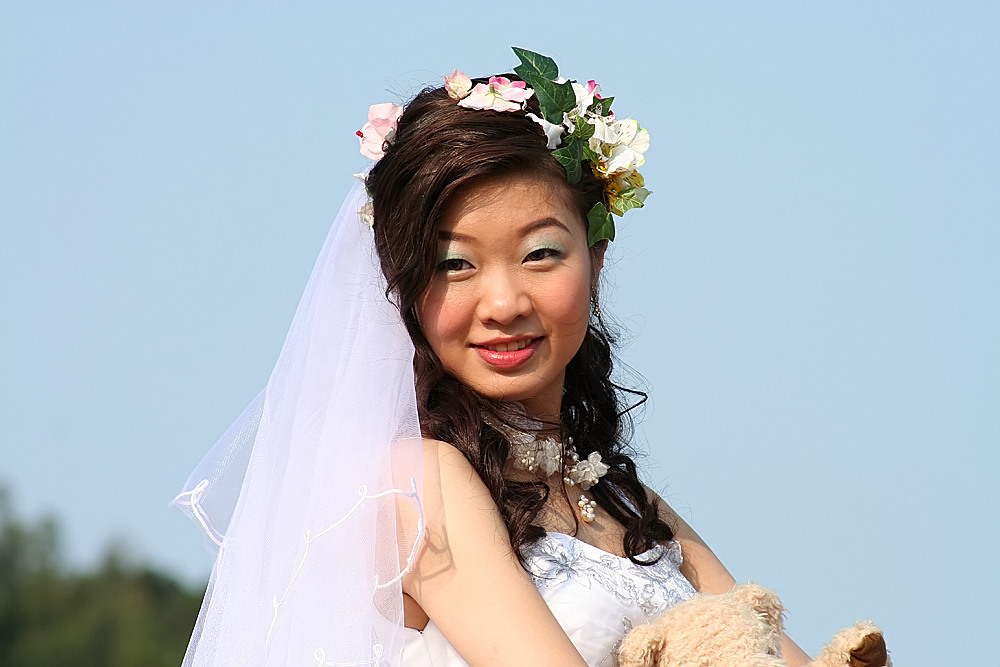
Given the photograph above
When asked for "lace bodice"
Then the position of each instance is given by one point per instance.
(596, 596)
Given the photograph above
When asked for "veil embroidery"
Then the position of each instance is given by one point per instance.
(312, 498)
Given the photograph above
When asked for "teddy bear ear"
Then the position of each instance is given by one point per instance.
(861, 645)
(871, 652)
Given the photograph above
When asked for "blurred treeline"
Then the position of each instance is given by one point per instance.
(124, 614)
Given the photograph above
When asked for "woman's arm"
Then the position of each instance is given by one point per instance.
(707, 573)
(469, 582)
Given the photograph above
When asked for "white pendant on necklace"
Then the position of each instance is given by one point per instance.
(588, 508)
(547, 455)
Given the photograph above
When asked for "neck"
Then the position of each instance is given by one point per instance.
(547, 413)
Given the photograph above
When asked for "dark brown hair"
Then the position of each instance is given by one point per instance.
(438, 149)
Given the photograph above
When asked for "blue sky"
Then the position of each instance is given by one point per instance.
(810, 295)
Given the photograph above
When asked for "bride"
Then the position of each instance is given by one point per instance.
(442, 477)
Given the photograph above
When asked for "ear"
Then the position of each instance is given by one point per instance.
(597, 258)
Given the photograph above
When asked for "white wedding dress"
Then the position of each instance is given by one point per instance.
(596, 596)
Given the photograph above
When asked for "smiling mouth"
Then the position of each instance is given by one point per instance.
(508, 356)
(509, 347)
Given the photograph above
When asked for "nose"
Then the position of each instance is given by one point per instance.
(504, 298)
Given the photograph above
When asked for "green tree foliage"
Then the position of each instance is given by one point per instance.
(123, 615)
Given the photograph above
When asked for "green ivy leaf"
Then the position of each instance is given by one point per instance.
(535, 64)
(554, 98)
(572, 148)
(630, 199)
(583, 129)
(600, 225)
(572, 166)
(601, 107)
(569, 156)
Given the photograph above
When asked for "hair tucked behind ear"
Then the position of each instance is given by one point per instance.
(440, 148)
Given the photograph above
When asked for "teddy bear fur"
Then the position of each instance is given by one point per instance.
(741, 628)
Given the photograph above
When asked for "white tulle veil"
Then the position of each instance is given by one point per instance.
(312, 497)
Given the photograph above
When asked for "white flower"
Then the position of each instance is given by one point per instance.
(367, 214)
(590, 472)
(549, 455)
(553, 132)
(604, 132)
(627, 151)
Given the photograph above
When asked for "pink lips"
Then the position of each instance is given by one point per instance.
(507, 360)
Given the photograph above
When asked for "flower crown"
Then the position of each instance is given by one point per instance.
(578, 124)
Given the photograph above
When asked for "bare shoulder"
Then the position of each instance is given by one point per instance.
(680, 527)
(467, 571)
(440, 448)
(440, 452)
(446, 466)
(701, 566)
(458, 506)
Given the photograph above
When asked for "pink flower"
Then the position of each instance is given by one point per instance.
(585, 96)
(380, 129)
(458, 85)
(500, 94)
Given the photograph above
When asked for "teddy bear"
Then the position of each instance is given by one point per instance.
(741, 628)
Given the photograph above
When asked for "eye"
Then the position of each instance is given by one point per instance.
(542, 254)
(453, 264)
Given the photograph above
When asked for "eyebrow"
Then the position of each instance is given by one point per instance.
(528, 229)
(452, 236)
(543, 223)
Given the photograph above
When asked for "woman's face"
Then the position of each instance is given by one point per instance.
(509, 302)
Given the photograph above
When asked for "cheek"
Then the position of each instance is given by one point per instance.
(569, 305)
(442, 318)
